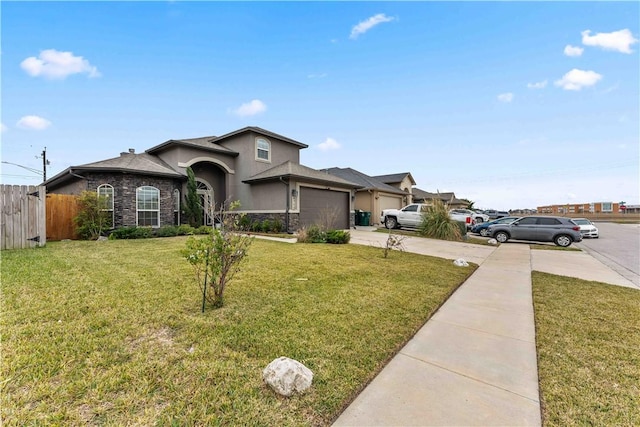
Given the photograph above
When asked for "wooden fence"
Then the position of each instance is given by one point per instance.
(61, 209)
(22, 216)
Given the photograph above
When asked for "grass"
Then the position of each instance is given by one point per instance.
(111, 333)
(552, 247)
(588, 338)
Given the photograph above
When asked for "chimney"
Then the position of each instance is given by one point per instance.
(132, 151)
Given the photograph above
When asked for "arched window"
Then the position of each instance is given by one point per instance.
(148, 206)
(105, 192)
(176, 206)
(263, 150)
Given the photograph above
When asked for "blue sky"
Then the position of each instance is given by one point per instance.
(508, 104)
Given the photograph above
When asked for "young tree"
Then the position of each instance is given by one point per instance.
(217, 257)
(192, 208)
(93, 219)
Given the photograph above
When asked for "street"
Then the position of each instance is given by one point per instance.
(618, 247)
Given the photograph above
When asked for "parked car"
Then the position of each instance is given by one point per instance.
(587, 228)
(559, 230)
(493, 214)
(483, 228)
(411, 216)
(476, 216)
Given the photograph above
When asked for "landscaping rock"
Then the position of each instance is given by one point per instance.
(286, 376)
(492, 241)
(461, 263)
(102, 239)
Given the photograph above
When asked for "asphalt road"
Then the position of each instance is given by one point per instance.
(618, 247)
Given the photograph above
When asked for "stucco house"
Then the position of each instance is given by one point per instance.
(402, 181)
(374, 194)
(448, 198)
(259, 168)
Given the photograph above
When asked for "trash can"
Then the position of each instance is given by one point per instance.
(357, 217)
(366, 218)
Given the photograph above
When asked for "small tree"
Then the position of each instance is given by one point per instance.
(93, 219)
(217, 257)
(436, 223)
(192, 208)
(394, 241)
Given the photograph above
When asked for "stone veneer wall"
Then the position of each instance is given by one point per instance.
(124, 197)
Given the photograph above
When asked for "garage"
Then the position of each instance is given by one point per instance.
(315, 203)
(387, 201)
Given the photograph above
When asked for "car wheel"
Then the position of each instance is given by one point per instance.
(563, 240)
(479, 220)
(484, 232)
(390, 222)
(501, 236)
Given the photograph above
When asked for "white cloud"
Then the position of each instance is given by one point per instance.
(365, 26)
(537, 85)
(577, 79)
(329, 144)
(3, 128)
(505, 97)
(33, 123)
(573, 50)
(54, 64)
(620, 41)
(251, 108)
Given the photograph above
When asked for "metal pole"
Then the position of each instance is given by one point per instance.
(44, 164)
(206, 273)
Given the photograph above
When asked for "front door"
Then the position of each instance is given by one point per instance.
(206, 201)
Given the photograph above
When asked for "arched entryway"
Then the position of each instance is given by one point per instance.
(206, 196)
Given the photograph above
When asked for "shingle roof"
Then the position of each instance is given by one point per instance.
(289, 169)
(205, 142)
(395, 177)
(425, 195)
(143, 163)
(263, 132)
(367, 182)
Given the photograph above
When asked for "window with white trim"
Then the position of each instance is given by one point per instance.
(607, 207)
(263, 150)
(148, 206)
(105, 193)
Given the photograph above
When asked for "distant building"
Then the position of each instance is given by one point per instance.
(580, 208)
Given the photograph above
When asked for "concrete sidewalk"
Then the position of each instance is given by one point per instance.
(473, 363)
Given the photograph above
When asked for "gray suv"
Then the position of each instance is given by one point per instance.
(559, 230)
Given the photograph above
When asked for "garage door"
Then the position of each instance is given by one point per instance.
(390, 202)
(316, 204)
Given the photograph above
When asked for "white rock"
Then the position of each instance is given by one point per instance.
(461, 263)
(286, 376)
(492, 241)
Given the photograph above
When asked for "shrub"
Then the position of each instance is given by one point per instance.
(256, 226)
(436, 223)
(314, 234)
(203, 229)
(338, 237)
(266, 226)
(185, 229)
(92, 219)
(277, 226)
(244, 222)
(167, 231)
(132, 233)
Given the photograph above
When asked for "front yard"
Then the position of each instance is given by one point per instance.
(111, 332)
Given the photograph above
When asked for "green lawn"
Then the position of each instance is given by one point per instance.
(588, 338)
(111, 333)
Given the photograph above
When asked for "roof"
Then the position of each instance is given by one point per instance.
(143, 163)
(262, 132)
(289, 169)
(203, 143)
(425, 195)
(395, 177)
(367, 182)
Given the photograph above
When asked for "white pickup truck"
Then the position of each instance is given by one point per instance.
(411, 216)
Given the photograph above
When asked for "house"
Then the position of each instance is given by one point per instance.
(402, 181)
(449, 199)
(373, 195)
(259, 168)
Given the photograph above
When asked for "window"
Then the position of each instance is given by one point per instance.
(176, 206)
(106, 192)
(263, 150)
(411, 208)
(528, 221)
(548, 221)
(607, 207)
(148, 206)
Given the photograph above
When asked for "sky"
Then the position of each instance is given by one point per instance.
(508, 104)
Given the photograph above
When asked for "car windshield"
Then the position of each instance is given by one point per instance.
(582, 221)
